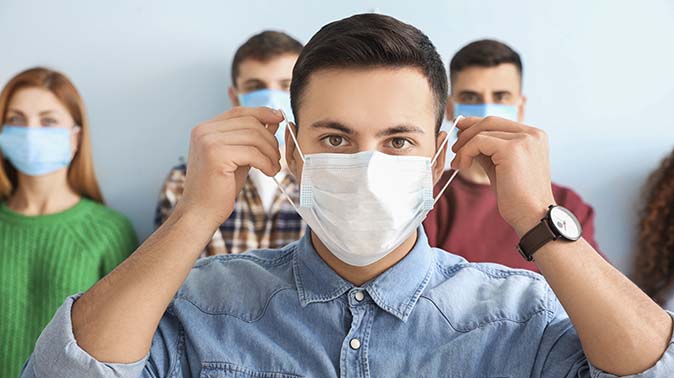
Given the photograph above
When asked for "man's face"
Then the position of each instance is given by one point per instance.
(390, 110)
(255, 75)
(487, 85)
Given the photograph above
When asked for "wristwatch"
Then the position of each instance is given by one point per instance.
(559, 223)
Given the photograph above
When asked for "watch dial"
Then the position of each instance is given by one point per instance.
(565, 222)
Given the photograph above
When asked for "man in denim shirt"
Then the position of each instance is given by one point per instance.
(365, 83)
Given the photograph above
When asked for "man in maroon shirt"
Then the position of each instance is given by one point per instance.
(486, 79)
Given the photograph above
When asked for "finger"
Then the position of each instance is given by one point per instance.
(246, 138)
(251, 156)
(247, 123)
(498, 134)
(262, 113)
(486, 145)
(495, 124)
(466, 122)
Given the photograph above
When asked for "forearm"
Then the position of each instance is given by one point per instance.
(116, 319)
(621, 329)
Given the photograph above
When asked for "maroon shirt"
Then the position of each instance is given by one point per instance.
(466, 222)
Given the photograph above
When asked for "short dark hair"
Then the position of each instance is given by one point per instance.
(370, 40)
(484, 53)
(264, 47)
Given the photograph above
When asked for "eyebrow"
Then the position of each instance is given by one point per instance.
(15, 111)
(469, 93)
(400, 129)
(44, 112)
(254, 81)
(333, 126)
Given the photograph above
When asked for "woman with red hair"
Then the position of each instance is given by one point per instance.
(56, 236)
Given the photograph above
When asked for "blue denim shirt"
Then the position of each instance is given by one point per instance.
(286, 313)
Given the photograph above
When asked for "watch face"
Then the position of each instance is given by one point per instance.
(565, 223)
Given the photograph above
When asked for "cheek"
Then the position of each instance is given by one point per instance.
(298, 171)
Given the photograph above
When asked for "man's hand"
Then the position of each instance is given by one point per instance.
(116, 319)
(622, 331)
(516, 160)
(222, 151)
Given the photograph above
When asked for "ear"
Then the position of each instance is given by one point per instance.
(293, 158)
(521, 108)
(233, 97)
(449, 109)
(439, 166)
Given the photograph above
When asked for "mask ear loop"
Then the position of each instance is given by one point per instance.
(292, 134)
(442, 145)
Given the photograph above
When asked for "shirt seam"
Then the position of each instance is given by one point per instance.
(210, 311)
(485, 323)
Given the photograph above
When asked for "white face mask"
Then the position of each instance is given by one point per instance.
(362, 206)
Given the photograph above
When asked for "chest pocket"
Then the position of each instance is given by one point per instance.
(227, 370)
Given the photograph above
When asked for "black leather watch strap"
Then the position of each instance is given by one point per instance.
(535, 239)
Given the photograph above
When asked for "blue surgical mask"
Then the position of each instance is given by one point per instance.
(484, 110)
(36, 151)
(271, 98)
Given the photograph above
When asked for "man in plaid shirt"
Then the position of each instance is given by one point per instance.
(262, 217)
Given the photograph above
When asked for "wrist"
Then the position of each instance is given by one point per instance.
(530, 217)
(192, 221)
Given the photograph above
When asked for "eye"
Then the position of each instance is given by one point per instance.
(400, 143)
(501, 97)
(48, 121)
(15, 120)
(470, 98)
(334, 141)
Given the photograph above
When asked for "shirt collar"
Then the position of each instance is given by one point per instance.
(395, 291)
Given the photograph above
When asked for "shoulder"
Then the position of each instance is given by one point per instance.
(100, 217)
(103, 215)
(472, 295)
(238, 285)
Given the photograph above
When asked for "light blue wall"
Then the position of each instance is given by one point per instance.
(598, 77)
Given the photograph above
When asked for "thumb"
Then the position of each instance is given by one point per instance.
(272, 127)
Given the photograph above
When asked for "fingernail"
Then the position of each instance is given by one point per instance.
(277, 112)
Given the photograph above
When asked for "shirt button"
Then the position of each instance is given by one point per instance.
(355, 344)
(359, 296)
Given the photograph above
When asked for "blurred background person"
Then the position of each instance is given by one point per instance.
(654, 271)
(486, 80)
(56, 236)
(262, 218)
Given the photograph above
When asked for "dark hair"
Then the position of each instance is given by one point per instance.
(264, 47)
(654, 271)
(484, 53)
(370, 40)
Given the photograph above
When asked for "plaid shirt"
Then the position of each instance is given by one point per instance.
(249, 226)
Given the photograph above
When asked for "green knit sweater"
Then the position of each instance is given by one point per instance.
(44, 259)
